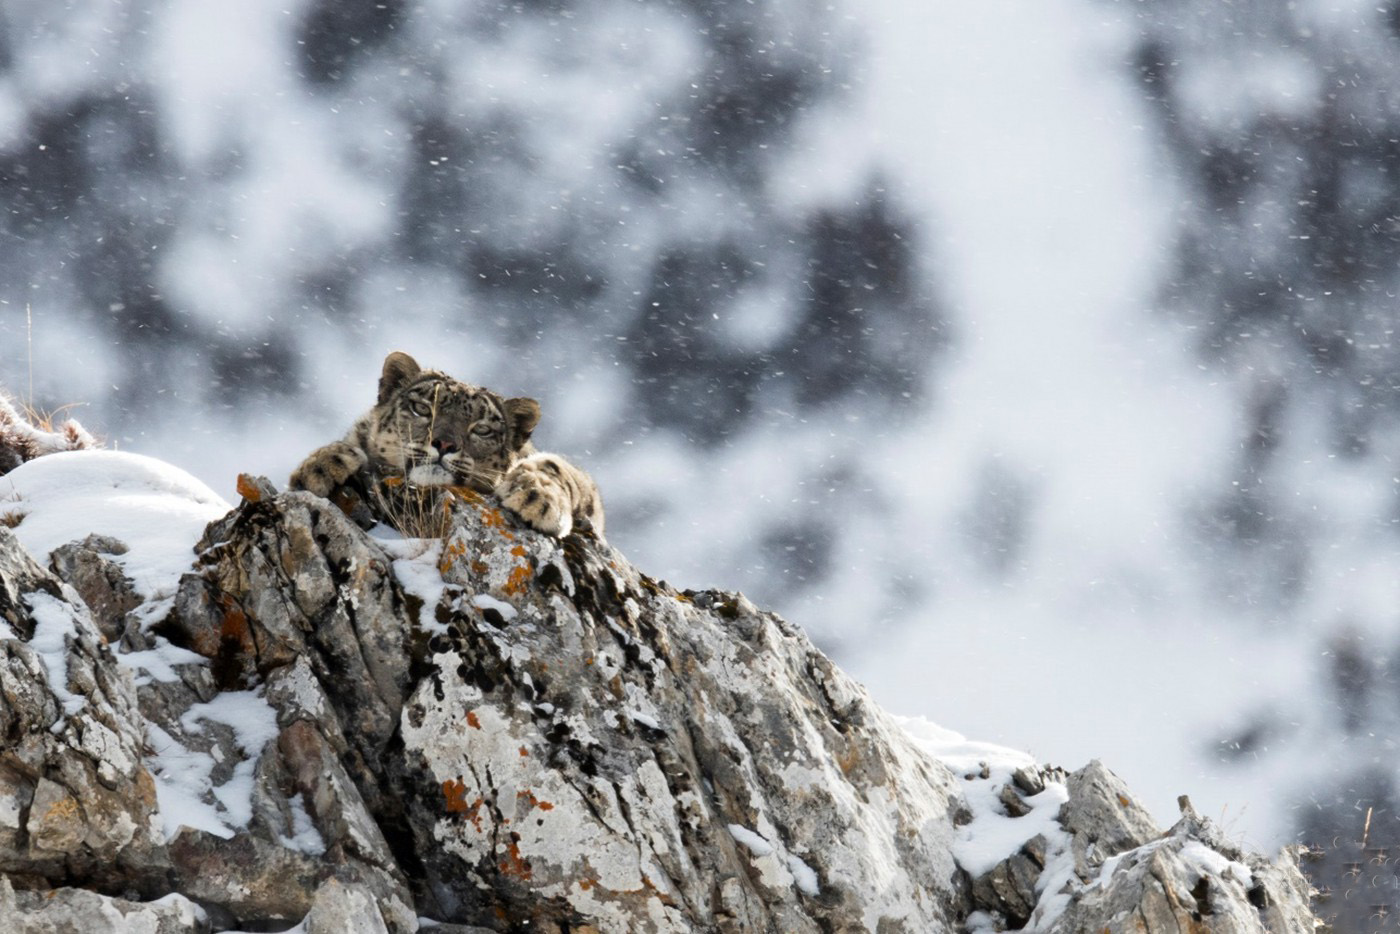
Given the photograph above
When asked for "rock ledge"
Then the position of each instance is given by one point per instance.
(500, 732)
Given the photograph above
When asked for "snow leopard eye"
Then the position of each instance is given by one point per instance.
(420, 408)
(483, 431)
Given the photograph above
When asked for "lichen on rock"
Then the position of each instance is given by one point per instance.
(503, 731)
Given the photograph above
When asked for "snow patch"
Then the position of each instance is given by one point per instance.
(305, 837)
(159, 663)
(992, 835)
(484, 601)
(182, 784)
(803, 876)
(1210, 862)
(254, 724)
(157, 510)
(416, 567)
(190, 912)
(54, 624)
(750, 840)
(645, 720)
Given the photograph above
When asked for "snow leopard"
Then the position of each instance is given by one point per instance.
(432, 432)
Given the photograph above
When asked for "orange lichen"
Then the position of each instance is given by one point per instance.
(524, 753)
(456, 794)
(527, 797)
(451, 551)
(514, 864)
(64, 808)
(519, 551)
(518, 580)
(234, 624)
(247, 489)
(472, 721)
(495, 519)
(479, 567)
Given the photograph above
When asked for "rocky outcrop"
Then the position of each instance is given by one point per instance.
(500, 732)
(76, 799)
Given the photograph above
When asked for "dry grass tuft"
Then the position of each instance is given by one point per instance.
(419, 512)
(27, 433)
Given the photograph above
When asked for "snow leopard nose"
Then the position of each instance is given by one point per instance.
(443, 446)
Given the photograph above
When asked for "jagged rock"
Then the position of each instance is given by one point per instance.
(105, 589)
(78, 911)
(1009, 888)
(1192, 879)
(595, 744)
(1103, 817)
(340, 909)
(1108, 868)
(76, 802)
(579, 745)
(501, 731)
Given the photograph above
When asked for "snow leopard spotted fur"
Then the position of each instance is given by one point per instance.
(429, 432)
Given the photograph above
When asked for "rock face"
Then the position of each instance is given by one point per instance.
(76, 800)
(504, 732)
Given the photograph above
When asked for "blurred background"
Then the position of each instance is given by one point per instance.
(1038, 358)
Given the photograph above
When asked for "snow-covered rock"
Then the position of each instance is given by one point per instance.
(154, 509)
(324, 728)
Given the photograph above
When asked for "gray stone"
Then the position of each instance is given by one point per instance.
(1009, 888)
(78, 911)
(342, 909)
(101, 583)
(1104, 817)
(76, 802)
(606, 748)
(1191, 880)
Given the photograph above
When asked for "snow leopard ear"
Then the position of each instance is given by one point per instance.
(399, 368)
(522, 415)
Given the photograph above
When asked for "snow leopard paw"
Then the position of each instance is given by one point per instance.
(537, 496)
(327, 468)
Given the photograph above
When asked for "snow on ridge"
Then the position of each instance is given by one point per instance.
(157, 510)
(984, 768)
